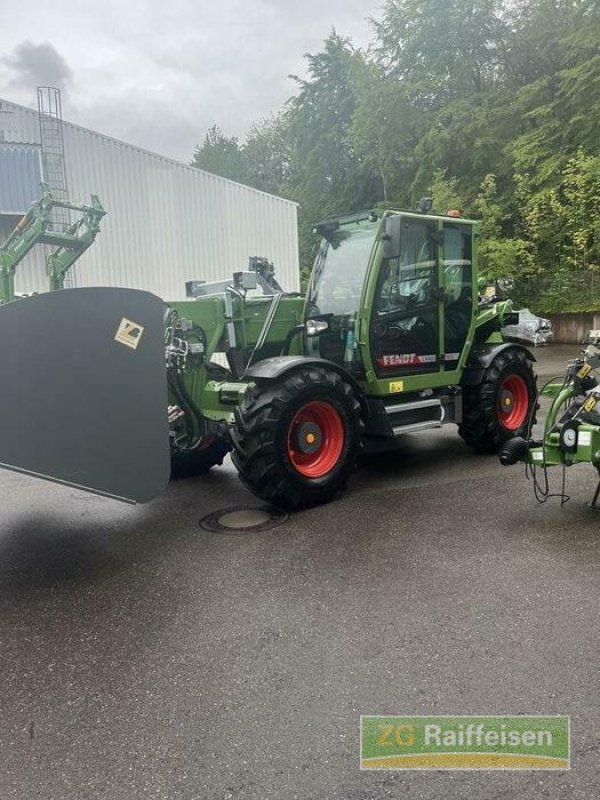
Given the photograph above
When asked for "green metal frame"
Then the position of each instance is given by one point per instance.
(549, 453)
(217, 399)
(36, 228)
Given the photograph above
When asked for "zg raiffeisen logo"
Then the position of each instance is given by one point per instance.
(464, 742)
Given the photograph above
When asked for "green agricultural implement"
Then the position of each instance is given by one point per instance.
(38, 227)
(571, 433)
(112, 390)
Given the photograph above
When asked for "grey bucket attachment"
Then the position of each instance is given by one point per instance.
(83, 391)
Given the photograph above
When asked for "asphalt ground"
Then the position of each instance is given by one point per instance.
(142, 657)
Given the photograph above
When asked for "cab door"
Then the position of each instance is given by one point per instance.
(405, 319)
(458, 290)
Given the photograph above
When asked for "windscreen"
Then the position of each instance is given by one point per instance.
(340, 269)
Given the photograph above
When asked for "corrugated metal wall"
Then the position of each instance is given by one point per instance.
(167, 222)
(20, 176)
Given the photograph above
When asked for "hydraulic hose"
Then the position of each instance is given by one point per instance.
(193, 418)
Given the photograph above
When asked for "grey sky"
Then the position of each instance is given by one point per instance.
(158, 74)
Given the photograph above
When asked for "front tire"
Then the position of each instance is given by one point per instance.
(502, 405)
(296, 440)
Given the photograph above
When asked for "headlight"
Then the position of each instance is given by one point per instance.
(315, 326)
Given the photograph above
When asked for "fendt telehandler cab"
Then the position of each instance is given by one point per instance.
(389, 340)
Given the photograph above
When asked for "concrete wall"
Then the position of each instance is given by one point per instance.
(573, 328)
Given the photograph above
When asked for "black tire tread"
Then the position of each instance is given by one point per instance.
(255, 451)
(480, 427)
(198, 462)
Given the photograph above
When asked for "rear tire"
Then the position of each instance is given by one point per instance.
(501, 406)
(212, 451)
(296, 440)
(200, 461)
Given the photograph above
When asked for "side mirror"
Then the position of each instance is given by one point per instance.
(391, 237)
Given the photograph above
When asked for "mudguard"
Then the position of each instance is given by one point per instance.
(481, 357)
(83, 392)
(272, 369)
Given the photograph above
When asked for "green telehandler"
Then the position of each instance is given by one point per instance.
(112, 390)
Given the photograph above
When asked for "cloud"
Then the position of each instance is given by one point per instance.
(159, 75)
(33, 65)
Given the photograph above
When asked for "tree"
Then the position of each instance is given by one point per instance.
(385, 131)
(444, 192)
(556, 72)
(580, 199)
(539, 31)
(267, 155)
(441, 50)
(327, 175)
(492, 105)
(325, 168)
(220, 155)
(500, 256)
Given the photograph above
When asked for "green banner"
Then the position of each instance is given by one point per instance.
(464, 742)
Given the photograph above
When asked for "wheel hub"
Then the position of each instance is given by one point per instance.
(309, 437)
(507, 401)
(513, 402)
(315, 439)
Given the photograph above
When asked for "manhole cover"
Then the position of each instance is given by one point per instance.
(243, 519)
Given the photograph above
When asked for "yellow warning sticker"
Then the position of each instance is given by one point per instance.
(584, 371)
(396, 386)
(129, 333)
(590, 403)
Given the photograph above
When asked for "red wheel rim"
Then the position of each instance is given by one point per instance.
(315, 439)
(513, 402)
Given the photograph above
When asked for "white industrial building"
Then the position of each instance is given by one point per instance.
(167, 222)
